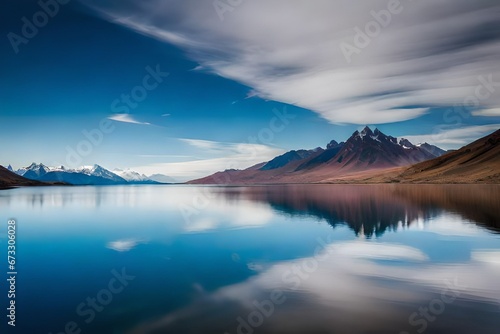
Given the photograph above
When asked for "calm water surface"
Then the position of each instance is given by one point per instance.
(278, 259)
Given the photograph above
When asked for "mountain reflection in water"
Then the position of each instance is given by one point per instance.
(372, 210)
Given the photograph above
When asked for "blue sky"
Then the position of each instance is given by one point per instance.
(231, 71)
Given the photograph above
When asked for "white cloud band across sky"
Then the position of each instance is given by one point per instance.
(226, 156)
(421, 55)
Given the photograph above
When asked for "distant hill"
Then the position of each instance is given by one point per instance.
(478, 162)
(134, 177)
(285, 159)
(434, 150)
(161, 178)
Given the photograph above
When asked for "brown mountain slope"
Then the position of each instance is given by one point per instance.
(9, 179)
(253, 175)
(365, 151)
(478, 162)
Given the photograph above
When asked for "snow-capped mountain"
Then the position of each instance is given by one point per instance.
(33, 171)
(36, 170)
(369, 149)
(374, 149)
(161, 178)
(94, 175)
(87, 175)
(134, 177)
(434, 150)
(365, 150)
(98, 171)
(130, 175)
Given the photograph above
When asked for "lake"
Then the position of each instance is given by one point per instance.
(264, 259)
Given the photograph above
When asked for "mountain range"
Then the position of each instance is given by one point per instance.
(86, 175)
(9, 179)
(366, 157)
(365, 150)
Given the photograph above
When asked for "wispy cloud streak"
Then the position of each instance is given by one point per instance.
(126, 118)
(430, 55)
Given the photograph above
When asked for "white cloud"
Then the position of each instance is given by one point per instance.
(220, 214)
(487, 112)
(491, 256)
(205, 144)
(123, 245)
(448, 139)
(289, 51)
(126, 118)
(448, 224)
(369, 289)
(378, 251)
(226, 156)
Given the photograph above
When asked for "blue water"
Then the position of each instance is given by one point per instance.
(276, 259)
